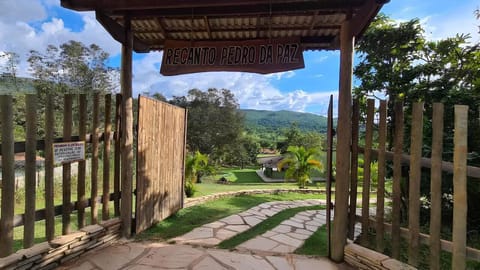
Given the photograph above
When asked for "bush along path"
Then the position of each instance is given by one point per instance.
(214, 233)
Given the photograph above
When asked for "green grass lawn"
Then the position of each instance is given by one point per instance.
(189, 218)
(240, 179)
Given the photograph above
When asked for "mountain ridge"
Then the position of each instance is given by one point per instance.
(276, 121)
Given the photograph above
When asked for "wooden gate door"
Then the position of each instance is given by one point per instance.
(160, 161)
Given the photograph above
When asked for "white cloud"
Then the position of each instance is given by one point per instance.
(21, 10)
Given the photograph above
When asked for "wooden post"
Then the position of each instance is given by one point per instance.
(436, 186)
(106, 157)
(94, 187)
(397, 178)
(30, 169)
(127, 130)
(340, 220)
(414, 183)
(329, 173)
(117, 151)
(382, 138)
(82, 132)
(367, 162)
(459, 232)
(354, 169)
(49, 185)
(67, 183)
(8, 176)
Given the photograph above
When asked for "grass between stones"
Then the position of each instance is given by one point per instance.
(265, 226)
(315, 244)
(187, 219)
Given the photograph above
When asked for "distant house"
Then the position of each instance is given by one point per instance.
(270, 162)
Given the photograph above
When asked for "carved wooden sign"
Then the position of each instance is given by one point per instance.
(259, 56)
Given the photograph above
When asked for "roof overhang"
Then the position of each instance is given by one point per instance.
(316, 22)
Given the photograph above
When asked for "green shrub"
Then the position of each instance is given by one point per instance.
(190, 189)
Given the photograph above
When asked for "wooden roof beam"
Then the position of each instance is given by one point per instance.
(124, 5)
(118, 33)
(279, 8)
(365, 15)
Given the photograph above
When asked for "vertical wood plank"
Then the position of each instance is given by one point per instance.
(8, 176)
(367, 161)
(354, 169)
(459, 232)
(116, 162)
(329, 172)
(382, 138)
(30, 169)
(397, 177)
(82, 132)
(184, 149)
(416, 145)
(436, 186)
(344, 140)
(127, 130)
(106, 157)
(66, 176)
(94, 175)
(49, 176)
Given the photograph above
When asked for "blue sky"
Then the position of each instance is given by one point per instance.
(34, 24)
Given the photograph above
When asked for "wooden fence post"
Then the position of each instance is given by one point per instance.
(67, 183)
(414, 183)
(8, 176)
(367, 161)
(382, 138)
(344, 140)
(354, 169)
(106, 157)
(329, 173)
(49, 177)
(82, 132)
(397, 178)
(127, 130)
(94, 186)
(116, 162)
(436, 186)
(459, 232)
(30, 169)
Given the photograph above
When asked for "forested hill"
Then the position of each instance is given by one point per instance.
(259, 120)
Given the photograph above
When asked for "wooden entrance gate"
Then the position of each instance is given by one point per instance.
(160, 161)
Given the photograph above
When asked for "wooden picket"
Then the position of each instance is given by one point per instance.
(367, 158)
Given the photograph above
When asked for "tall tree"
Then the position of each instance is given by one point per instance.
(214, 122)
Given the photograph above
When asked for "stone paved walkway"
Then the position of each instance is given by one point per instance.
(212, 234)
(272, 250)
(134, 255)
(289, 235)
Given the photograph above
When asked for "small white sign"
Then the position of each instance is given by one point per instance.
(68, 151)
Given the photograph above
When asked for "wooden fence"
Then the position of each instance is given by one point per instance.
(93, 137)
(415, 162)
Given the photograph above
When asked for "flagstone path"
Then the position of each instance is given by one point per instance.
(270, 251)
(135, 255)
(289, 235)
(212, 234)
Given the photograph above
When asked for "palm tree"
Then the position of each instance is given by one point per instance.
(300, 162)
(195, 165)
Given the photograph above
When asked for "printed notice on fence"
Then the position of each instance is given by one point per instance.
(68, 152)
